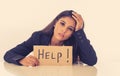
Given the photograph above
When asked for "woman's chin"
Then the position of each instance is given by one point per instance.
(60, 39)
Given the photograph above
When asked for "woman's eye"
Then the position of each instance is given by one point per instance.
(62, 23)
(71, 29)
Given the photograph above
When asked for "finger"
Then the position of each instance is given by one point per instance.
(30, 63)
(34, 60)
(75, 18)
(79, 24)
(27, 61)
(76, 22)
(73, 13)
(78, 16)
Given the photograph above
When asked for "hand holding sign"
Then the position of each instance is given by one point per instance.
(29, 61)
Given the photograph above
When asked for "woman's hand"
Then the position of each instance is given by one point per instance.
(29, 61)
(79, 21)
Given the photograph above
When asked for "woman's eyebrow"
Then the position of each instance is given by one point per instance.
(72, 27)
(63, 21)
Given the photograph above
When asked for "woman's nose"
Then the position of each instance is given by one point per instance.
(64, 30)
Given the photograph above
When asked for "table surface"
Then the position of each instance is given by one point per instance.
(104, 67)
(74, 70)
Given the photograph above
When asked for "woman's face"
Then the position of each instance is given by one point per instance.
(64, 28)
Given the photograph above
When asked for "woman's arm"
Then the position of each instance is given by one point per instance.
(20, 51)
(86, 51)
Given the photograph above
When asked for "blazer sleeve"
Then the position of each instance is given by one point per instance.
(87, 53)
(20, 51)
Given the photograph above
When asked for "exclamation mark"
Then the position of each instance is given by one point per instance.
(67, 55)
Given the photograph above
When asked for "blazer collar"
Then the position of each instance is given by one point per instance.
(46, 38)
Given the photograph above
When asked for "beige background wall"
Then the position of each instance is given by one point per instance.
(20, 18)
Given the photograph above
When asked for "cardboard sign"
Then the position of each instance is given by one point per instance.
(53, 55)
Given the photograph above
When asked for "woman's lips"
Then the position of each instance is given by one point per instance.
(61, 35)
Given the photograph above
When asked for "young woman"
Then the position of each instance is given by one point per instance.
(66, 29)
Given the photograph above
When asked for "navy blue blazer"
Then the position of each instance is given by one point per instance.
(81, 47)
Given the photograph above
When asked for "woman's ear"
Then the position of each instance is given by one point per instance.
(55, 23)
(54, 26)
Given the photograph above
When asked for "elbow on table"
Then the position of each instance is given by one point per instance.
(6, 57)
(92, 62)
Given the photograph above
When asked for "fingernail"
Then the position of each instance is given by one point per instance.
(30, 66)
(72, 12)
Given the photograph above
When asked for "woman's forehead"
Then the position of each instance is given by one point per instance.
(67, 20)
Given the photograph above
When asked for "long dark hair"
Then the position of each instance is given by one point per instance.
(50, 26)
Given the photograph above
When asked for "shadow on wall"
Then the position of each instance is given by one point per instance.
(75, 70)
